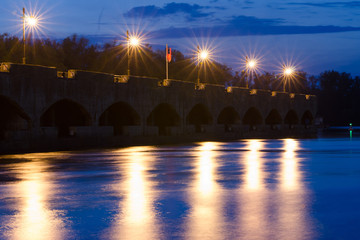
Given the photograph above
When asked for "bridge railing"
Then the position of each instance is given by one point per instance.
(5, 67)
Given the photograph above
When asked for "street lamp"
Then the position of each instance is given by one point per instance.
(30, 21)
(132, 41)
(202, 56)
(288, 73)
(251, 65)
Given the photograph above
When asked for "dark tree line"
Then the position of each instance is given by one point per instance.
(338, 97)
(338, 93)
(78, 53)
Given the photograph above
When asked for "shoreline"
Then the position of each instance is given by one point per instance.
(90, 143)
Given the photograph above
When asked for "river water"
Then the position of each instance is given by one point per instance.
(248, 189)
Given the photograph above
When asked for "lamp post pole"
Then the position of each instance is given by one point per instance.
(128, 51)
(198, 67)
(250, 70)
(288, 73)
(247, 71)
(24, 40)
(285, 75)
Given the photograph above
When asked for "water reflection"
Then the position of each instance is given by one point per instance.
(253, 197)
(292, 206)
(205, 169)
(272, 209)
(254, 174)
(34, 218)
(290, 176)
(256, 190)
(205, 196)
(137, 218)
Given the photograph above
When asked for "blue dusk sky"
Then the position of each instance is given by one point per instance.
(313, 35)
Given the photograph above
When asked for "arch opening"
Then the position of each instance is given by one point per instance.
(164, 116)
(273, 118)
(291, 119)
(198, 116)
(65, 115)
(228, 116)
(12, 118)
(119, 115)
(307, 118)
(252, 117)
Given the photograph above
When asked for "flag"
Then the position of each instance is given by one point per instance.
(168, 55)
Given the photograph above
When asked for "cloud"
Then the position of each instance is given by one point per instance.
(194, 11)
(351, 4)
(246, 26)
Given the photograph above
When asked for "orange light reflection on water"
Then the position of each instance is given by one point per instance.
(137, 218)
(262, 209)
(205, 220)
(292, 222)
(254, 174)
(253, 195)
(35, 219)
(290, 173)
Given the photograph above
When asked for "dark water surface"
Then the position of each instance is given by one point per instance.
(250, 189)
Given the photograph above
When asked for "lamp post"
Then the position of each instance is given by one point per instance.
(31, 21)
(250, 68)
(132, 41)
(202, 55)
(24, 58)
(287, 72)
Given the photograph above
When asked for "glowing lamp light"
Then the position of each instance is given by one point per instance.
(134, 41)
(204, 55)
(251, 64)
(31, 21)
(288, 71)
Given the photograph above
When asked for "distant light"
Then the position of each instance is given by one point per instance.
(31, 21)
(204, 55)
(288, 71)
(134, 41)
(251, 64)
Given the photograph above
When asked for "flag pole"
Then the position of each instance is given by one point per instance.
(167, 62)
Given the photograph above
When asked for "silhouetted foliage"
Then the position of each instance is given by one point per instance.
(338, 98)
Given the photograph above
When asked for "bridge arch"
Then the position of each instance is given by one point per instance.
(307, 118)
(252, 117)
(199, 115)
(119, 115)
(65, 114)
(291, 118)
(12, 117)
(273, 118)
(228, 116)
(163, 116)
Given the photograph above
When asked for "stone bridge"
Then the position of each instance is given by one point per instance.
(40, 105)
